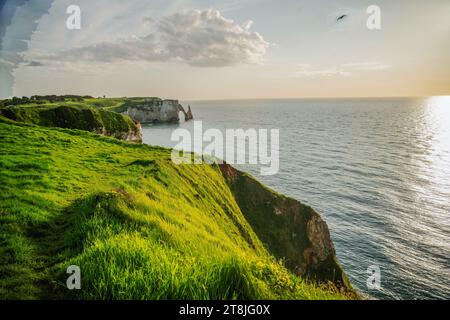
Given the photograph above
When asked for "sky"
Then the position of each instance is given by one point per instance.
(228, 49)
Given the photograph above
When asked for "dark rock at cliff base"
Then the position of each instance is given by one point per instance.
(290, 230)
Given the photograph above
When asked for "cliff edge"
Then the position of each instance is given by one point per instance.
(290, 230)
(76, 116)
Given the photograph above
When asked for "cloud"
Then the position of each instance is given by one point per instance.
(366, 66)
(18, 21)
(205, 38)
(344, 70)
(148, 21)
(34, 64)
(131, 49)
(197, 38)
(306, 70)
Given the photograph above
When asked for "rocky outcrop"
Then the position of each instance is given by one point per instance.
(290, 230)
(154, 110)
(188, 115)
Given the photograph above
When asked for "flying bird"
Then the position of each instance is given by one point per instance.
(341, 18)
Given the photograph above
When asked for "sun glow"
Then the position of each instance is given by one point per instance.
(438, 127)
(439, 113)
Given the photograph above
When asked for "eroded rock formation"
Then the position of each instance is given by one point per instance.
(153, 110)
(188, 115)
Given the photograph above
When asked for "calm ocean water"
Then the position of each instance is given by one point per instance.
(378, 170)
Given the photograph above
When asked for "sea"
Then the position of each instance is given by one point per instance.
(376, 169)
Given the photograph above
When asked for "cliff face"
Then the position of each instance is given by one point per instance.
(153, 110)
(290, 230)
(134, 134)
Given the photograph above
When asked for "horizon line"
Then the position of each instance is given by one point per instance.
(249, 98)
(316, 98)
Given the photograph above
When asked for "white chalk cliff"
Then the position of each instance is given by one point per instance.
(154, 110)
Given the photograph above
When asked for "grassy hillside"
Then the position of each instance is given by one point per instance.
(75, 115)
(117, 104)
(86, 102)
(138, 226)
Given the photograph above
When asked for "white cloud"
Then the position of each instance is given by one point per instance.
(343, 70)
(365, 66)
(197, 38)
(306, 70)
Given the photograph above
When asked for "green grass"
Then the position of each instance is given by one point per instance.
(110, 104)
(117, 104)
(73, 115)
(138, 226)
(101, 104)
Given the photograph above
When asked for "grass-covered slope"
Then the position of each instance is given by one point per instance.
(75, 115)
(138, 226)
